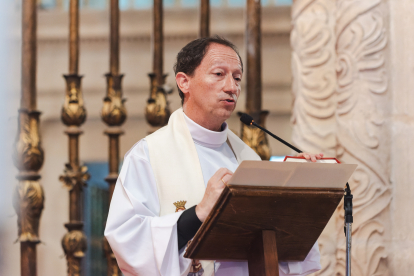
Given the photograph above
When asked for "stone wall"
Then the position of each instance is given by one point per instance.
(401, 82)
(352, 68)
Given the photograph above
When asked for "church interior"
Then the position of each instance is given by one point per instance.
(84, 80)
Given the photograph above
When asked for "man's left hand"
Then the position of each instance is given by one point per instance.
(311, 156)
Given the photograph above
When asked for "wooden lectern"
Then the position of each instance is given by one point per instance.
(266, 224)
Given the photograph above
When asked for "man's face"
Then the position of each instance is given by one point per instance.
(214, 88)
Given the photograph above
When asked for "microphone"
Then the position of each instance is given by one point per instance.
(248, 120)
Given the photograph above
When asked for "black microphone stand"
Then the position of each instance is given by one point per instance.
(348, 220)
(348, 217)
(277, 138)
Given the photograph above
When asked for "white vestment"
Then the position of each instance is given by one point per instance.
(145, 243)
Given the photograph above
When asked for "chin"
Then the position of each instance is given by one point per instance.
(225, 114)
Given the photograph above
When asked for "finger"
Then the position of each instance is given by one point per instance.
(222, 172)
(321, 154)
(313, 158)
(307, 157)
(218, 176)
(226, 178)
(221, 183)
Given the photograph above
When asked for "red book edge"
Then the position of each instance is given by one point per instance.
(296, 157)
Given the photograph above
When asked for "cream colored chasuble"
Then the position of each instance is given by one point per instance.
(176, 166)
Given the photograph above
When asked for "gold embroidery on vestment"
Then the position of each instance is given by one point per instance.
(195, 265)
(180, 205)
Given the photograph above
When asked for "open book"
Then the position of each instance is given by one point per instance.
(292, 174)
(303, 160)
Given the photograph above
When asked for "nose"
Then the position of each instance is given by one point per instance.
(230, 85)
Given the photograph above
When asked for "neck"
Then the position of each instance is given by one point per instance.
(206, 121)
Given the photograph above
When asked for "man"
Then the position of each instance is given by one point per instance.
(185, 166)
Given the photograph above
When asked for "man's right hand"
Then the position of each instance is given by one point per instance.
(214, 188)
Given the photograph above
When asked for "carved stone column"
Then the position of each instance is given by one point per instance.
(252, 136)
(205, 18)
(114, 115)
(314, 75)
(28, 153)
(157, 111)
(341, 105)
(314, 83)
(75, 175)
(363, 133)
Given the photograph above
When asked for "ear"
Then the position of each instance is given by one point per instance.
(183, 82)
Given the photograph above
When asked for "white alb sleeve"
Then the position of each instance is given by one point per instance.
(309, 265)
(143, 242)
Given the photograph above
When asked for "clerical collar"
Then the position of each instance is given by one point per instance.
(206, 137)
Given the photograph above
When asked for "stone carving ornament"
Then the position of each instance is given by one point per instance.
(314, 83)
(314, 77)
(362, 132)
(340, 88)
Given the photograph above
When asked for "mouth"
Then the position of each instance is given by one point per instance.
(233, 99)
(229, 102)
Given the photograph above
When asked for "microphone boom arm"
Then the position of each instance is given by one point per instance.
(277, 138)
(348, 218)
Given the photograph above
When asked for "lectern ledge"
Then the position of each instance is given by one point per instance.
(270, 212)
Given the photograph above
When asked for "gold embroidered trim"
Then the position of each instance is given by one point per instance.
(180, 205)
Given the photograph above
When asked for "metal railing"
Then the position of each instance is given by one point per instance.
(147, 4)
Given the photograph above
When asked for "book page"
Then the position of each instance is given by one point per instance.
(303, 160)
(292, 174)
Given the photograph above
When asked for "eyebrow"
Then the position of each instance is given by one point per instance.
(220, 64)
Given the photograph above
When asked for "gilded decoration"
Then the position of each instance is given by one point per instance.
(114, 112)
(114, 115)
(113, 269)
(73, 110)
(196, 268)
(28, 202)
(72, 177)
(28, 155)
(180, 205)
(255, 137)
(157, 111)
(74, 246)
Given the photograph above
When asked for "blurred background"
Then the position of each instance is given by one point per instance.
(336, 77)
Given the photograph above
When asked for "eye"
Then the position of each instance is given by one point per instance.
(237, 79)
(218, 74)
